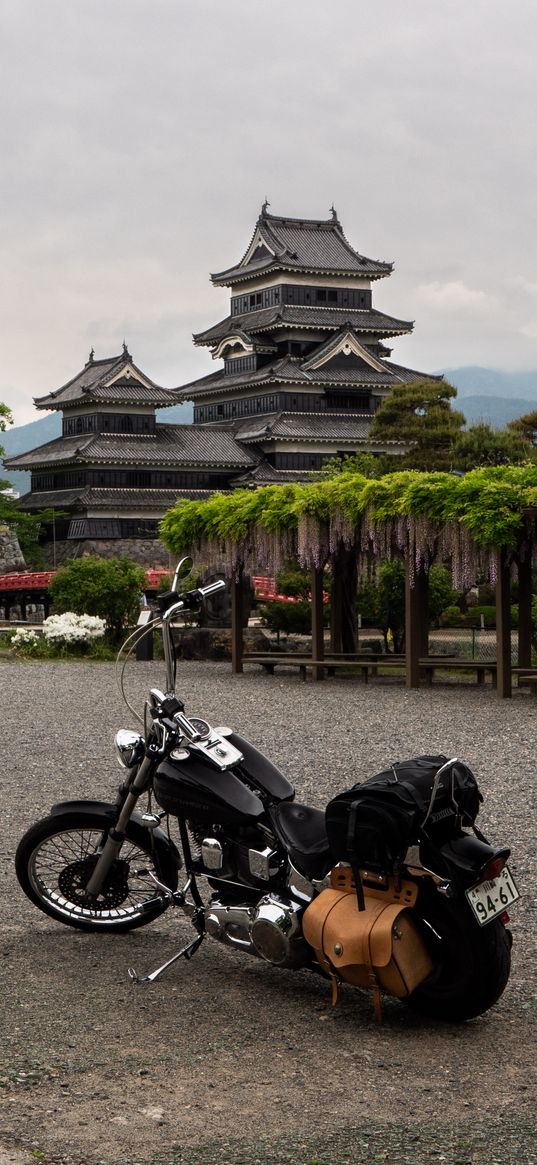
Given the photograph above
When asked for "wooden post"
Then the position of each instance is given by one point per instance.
(317, 630)
(415, 621)
(504, 684)
(236, 623)
(336, 608)
(524, 610)
(343, 628)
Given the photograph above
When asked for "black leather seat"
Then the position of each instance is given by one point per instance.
(302, 830)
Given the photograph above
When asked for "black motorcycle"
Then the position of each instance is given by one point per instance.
(392, 889)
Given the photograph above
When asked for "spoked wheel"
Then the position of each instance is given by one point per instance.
(56, 858)
(471, 963)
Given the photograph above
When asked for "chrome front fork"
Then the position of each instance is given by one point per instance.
(116, 836)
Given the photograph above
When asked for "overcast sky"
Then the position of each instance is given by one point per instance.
(140, 137)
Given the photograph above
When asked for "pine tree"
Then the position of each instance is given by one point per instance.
(420, 414)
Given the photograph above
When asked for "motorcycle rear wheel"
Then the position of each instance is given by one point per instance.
(471, 963)
(55, 858)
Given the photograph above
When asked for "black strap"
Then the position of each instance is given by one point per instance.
(351, 829)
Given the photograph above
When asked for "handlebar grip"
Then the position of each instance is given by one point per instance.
(212, 588)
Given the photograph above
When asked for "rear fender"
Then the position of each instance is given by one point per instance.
(109, 815)
(463, 857)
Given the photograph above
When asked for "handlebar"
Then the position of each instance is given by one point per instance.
(169, 605)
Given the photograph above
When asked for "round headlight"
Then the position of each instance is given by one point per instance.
(129, 747)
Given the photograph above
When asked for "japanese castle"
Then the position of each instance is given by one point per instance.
(304, 366)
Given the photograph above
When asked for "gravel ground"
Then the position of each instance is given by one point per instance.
(226, 1059)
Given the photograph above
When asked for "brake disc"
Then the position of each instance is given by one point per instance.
(74, 878)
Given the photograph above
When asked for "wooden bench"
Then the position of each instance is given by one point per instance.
(278, 659)
(527, 679)
(429, 664)
(371, 664)
(364, 664)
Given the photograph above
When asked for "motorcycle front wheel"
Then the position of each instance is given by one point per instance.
(471, 963)
(56, 857)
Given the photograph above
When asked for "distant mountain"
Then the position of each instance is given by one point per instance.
(494, 410)
(22, 438)
(472, 380)
(485, 394)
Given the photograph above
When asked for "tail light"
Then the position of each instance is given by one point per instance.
(493, 868)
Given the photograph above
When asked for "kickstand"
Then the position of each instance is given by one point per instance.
(185, 953)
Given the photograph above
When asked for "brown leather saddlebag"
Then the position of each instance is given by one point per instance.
(378, 947)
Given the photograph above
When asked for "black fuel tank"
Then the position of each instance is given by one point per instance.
(261, 771)
(195, 790)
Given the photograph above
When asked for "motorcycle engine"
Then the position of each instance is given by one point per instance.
(249, 859)
(271, 929)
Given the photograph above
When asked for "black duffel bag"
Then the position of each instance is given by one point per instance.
(372, 825)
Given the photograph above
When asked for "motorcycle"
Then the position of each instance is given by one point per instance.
(393, 889)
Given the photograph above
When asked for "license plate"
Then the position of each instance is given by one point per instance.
(489, 899)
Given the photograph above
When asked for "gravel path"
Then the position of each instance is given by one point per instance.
(226, 1059)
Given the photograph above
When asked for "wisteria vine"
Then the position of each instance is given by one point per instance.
(429, 516)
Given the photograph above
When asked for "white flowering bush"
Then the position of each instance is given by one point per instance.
(63, 635)
(72, 630)
(24, 638)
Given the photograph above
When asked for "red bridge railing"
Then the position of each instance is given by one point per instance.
(38, 580)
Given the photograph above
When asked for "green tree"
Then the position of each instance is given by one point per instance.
(482, 445)
(392, 602)
(291, 618)
(441, 593)
(98, 586)
(5, 420)
(525, 427)
(420, 414)
(293, 581)
(27, 527)
(8, 511)
(383, 604)
(370, 465)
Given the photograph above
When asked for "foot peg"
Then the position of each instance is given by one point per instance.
(173, 897)
(185, 953)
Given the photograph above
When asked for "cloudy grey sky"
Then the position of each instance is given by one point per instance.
(139, 138)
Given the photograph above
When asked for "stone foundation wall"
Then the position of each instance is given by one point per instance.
(11, 557)
(145, 551)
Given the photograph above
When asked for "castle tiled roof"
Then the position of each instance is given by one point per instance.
(266, 474)
(284, 370)
(114, 380)
(172, 445)
(95, 498)
(284, 426)
(292, 370)
(318, 246)
(319, 319)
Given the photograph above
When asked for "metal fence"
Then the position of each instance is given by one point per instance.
(468, 643)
